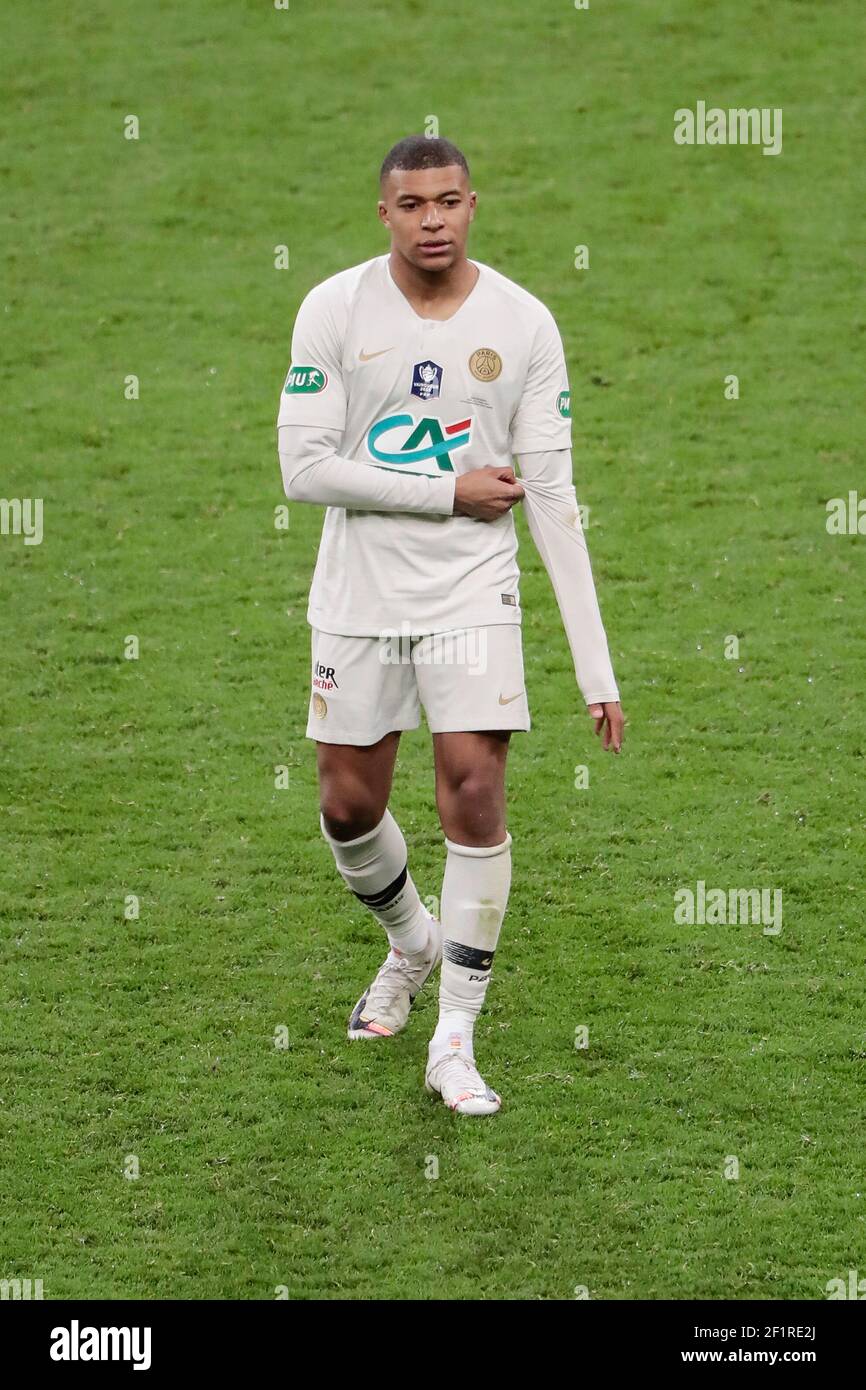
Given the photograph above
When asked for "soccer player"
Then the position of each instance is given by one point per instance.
(415, 379)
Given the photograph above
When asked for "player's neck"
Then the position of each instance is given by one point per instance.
(434, 294)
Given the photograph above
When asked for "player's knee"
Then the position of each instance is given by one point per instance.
(473, 806)
(347, 817)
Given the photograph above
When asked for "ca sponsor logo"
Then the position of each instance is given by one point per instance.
(305, 381)
(424, 439)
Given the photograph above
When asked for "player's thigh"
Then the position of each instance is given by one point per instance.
(476, 756)
(472, 680)
(355, 784)
(470, 785)
(358, 707)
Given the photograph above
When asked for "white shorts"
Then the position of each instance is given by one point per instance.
(467, 679)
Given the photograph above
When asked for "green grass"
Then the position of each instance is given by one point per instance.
(305, 1167)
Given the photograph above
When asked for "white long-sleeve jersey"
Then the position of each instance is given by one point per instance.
(381, 410)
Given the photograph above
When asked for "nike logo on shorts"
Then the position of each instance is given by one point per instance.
(368, 356)
(503, 701)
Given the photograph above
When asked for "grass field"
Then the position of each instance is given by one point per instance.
(154, 1038)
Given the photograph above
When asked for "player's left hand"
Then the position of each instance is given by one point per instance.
(609, 723)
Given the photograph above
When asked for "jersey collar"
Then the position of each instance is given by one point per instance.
(458, 310)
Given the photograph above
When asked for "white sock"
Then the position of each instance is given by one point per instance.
(376, 869)
(474, 898)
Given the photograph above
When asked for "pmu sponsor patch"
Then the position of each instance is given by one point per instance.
(563, 404)
(305, 381)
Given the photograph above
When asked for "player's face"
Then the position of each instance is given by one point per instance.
(428, 212)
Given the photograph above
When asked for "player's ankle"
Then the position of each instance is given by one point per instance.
(453, 1034)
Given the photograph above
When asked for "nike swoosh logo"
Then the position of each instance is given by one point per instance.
(368, 356)
(510, 698)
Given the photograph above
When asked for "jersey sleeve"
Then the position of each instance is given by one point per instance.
(314, 471)
(542, 420)
(313, 391)
(550, 506)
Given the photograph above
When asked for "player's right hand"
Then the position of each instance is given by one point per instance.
(486, 493)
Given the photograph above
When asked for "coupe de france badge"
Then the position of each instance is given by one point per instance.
(426, 380)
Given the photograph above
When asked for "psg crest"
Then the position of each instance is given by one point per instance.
(426, 380)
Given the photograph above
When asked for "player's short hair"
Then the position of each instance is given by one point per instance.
(422, 152)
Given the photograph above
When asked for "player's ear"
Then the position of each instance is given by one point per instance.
(383, 213)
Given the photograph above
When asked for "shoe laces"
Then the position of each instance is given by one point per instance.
(389, 983)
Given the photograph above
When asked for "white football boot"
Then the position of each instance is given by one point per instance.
(384, 1008)
(454, 1076)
